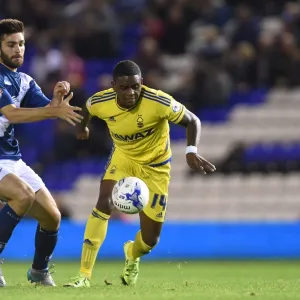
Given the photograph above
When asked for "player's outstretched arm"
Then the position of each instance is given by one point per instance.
(82, 130)
(27, 115)
(193, 132)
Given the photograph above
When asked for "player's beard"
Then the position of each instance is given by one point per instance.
(8, 62)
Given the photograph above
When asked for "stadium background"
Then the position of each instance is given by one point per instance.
(234, 63)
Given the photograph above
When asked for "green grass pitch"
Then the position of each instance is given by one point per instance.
(165, 280)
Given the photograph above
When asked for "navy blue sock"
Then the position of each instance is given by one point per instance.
(8, 221)
(45, 242)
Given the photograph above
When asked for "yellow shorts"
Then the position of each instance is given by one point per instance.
(157, 179)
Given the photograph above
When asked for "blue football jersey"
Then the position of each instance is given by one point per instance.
(21, 90)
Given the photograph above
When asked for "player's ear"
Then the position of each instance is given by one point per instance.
(113, 84)
(142, 80)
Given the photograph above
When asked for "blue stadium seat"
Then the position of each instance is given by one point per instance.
(91, 166)
(94, 68)
(257, 96)
(91, 85)
(132, 32)
(256, 153)
(219, 115)
(177, 132)
(30, 154)
(273, 152)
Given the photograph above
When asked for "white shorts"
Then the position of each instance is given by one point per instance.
(20, 169)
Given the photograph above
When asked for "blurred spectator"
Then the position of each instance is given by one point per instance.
(93, 40)
(100, 35)
(72, 65)
(242, 66)
(284, 69)
(148, 55)
(212, 85)
(104, 82)
(47, 60)
(175, 36)
(198, 51)
(245, 27)
(207, 40)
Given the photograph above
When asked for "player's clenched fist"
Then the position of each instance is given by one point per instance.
(61, 89)
(67, 112)
(197, 162)
(82, 133)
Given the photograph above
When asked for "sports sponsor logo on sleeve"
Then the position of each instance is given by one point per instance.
(175, 107)
(89, 102)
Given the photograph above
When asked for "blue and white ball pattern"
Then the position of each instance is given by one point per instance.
(130, 195)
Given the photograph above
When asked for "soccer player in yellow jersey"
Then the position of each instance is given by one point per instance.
(137, 117)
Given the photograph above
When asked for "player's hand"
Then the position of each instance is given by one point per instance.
(61, 89)
(82, 133)
(67, 112)
(197, 162)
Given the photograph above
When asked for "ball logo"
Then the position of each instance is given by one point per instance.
(122, 206)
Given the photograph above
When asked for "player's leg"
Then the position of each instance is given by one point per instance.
(96, 227)
(145, 240)
(45, 211)
(19, 197)
(151, 221)
(94, 235)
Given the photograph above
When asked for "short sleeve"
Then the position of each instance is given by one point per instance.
(175, 111)
(170, 109)
(91, 107)
(94, 102)
(5, 98)
(35, 97)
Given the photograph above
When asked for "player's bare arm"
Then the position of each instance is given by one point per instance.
(63, 111)
(82, 132)
(193, 132)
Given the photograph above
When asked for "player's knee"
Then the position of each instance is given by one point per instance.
(50, 220)
(55, 219)
(151, 241)
(105, 204)
(25, 198)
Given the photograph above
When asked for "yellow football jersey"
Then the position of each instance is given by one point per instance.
(141, 132)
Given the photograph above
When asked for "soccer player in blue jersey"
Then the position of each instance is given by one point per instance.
(22, 101)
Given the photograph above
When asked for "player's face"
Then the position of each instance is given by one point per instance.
(12, 50)
(128, 89)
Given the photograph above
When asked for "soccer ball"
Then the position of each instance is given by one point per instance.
(130, 195)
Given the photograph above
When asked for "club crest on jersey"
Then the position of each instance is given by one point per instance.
(140, 121)
(112, 119)
(6, 81)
